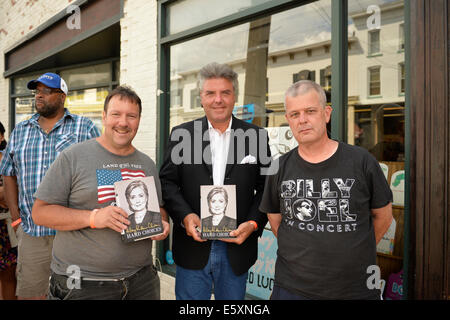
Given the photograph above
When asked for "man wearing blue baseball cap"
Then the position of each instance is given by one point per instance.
(34, 145)
(51, 80)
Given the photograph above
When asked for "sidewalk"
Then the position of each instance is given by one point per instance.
(167, 286)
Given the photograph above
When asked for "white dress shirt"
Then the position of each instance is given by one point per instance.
(219, 144)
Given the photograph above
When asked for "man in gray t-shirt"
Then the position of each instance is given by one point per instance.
(77, 198)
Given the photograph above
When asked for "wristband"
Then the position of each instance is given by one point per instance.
(16, 222)
(254, 224)
(91, 218)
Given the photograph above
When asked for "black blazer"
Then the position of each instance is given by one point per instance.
(181, 181)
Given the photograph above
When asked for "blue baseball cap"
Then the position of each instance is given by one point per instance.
(51, 80)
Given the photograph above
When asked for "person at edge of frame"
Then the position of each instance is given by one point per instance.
(329, 204)
(33, 146)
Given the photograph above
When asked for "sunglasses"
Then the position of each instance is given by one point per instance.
(45, 91)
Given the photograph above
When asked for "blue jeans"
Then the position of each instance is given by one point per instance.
(217, 276)
(143, 285)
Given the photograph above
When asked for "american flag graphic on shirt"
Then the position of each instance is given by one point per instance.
(106, 179)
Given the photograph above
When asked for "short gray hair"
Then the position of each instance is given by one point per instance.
(304, 86)
(215, 70)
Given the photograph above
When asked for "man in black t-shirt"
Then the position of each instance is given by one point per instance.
(329, 204)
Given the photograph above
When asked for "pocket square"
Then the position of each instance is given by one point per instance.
(248, 159)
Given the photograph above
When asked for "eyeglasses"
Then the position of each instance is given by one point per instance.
(45, 91)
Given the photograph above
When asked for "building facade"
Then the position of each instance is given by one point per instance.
(376, 60)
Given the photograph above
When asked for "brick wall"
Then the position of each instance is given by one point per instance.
(138, 65)
(167, 286)
(17, 19)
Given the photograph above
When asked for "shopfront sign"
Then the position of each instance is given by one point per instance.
(260, 279)
(245, 112)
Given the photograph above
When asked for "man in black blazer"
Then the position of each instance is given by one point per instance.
(217, 149)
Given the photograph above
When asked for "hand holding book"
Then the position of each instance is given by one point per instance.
(111, 217)
(244, 230)
(162, 236)
(192, 223)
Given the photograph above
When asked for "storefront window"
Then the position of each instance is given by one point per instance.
(376, 84)
(88, 103)
(269, 54)
(195, 10)
(24, 108)
(88, 88)
(87, 76)
(20, 84)
(23, 99)
(376, 106)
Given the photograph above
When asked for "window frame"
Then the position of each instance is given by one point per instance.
(339, 67)
(369, 81)
(401, 37)
(370, 41)
(401, 78)
(339, 48)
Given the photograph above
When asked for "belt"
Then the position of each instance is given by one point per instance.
(106, 279)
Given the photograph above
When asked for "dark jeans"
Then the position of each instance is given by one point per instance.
(143, 285)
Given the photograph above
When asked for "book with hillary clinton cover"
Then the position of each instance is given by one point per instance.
(130, 189)
(218, 211)
(138, 198)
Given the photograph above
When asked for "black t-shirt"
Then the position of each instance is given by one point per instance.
(326, 239)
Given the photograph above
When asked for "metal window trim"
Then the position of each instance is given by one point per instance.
(228, 21)
(339, 67)
(339, 96)
(407, 215)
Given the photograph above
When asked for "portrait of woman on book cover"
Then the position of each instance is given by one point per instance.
(218, 221)
(137, 197)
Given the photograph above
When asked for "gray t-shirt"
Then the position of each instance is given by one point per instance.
(326, 239)
(82, 177)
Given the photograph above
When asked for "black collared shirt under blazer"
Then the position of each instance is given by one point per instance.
(181, 188)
